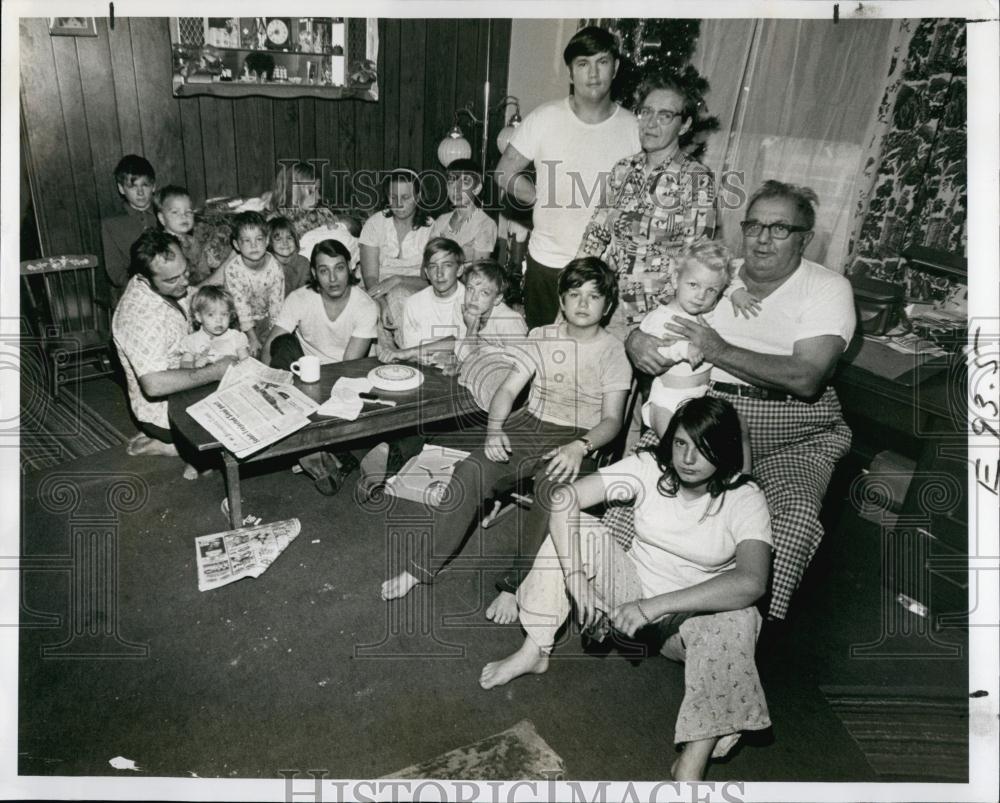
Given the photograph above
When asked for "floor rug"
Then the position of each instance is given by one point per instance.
(918, 734)
(57, 431)
(518, 752)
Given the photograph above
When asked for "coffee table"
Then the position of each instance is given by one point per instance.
(439, 398)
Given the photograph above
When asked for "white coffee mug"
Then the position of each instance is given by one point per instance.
(306, 368)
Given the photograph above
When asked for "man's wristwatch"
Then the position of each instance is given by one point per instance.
(588, 444)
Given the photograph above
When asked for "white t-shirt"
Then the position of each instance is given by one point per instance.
(427, 317)
(504, 326)
(569, 378)
(201, 344)
(812, 302)
(676, 545)
(573, 160)
(303, 313)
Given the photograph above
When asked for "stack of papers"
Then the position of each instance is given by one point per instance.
(249, 412)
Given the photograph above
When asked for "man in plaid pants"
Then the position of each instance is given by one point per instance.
(775, 367)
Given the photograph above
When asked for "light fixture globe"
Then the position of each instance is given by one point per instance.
(503, 138)
(454, 146)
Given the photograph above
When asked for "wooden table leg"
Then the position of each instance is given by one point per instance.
(233, 491)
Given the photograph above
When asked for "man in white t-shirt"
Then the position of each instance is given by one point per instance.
(775, 368)
(573, 143)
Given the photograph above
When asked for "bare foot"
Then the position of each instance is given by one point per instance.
(692, 763)
(503, 609)
(149, 446)
(136, 442)
(398, 586)
(527, 660)
(190, 472)
(673, 648)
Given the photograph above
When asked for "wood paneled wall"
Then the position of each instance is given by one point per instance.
(87, 101)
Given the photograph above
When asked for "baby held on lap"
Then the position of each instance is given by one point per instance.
(703, 275)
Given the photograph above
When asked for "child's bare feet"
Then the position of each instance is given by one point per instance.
(190, 472)
(398, 586)
(503, 610)
(528, 660)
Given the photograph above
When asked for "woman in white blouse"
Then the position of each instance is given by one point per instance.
(392, 246)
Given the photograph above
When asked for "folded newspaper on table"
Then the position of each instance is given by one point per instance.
(255, 368)
(426, 476)
(230, 556)
(253, 413)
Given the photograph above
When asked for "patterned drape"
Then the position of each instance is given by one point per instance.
(915, 191)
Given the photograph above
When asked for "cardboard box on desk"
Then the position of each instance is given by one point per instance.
(425, 477)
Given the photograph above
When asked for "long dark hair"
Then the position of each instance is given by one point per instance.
(714, 427)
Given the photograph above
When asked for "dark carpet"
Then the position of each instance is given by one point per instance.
(518, 752)
(906, 734)
(57, 431)
(306, 668)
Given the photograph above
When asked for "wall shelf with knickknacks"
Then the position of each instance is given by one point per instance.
(281, 57)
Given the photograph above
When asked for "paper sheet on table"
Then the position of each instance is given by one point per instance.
(239, 371)
(344, 401)
(253, 414)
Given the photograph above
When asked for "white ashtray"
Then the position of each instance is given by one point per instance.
(396, 378)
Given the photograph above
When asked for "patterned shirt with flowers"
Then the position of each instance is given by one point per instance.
(258, 293)
(146, 329)
(645, 222)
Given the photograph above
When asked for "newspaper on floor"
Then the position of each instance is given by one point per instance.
(252, 414)
(238, 371)
(247, 552)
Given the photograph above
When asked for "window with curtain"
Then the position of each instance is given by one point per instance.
(797, 101)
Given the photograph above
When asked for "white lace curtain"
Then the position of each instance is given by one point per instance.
(797, 102)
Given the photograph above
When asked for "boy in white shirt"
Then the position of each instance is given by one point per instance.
(481, 357)
(433, 318)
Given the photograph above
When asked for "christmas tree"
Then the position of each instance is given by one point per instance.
(660, 46)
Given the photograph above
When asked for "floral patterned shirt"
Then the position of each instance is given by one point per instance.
(645, 223)
(147, 329)
(257, 293)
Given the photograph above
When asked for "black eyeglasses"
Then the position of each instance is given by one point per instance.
(778, 231)
(662, 116)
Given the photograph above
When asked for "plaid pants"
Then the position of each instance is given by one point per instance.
(795, 448)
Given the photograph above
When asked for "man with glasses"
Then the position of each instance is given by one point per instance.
(150, 319)
(572, 143)
(775, 368)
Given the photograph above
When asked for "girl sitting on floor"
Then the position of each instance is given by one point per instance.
(699, 562)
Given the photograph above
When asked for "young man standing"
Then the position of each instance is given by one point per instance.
(573, 142)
